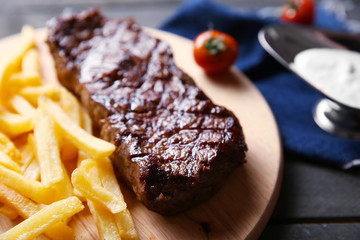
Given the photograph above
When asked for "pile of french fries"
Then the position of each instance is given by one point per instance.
(50, 164)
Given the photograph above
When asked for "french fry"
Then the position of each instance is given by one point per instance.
(68, 151)
(86, 121)
(6, 161)
(108, 178)
(29, 188)
(27, 39)
(52, 171)
(20, 80)
(8, 147)
(70, 105)
(32, 171)
(101, 172)
(30, 64)
(27, 153)
(59, 132)
(72, 108)
(26, 208)
(32, 94)
(8, 211)
(104, 220)
(123, 219)
(81, 157)
(13, 62)
(92, 146)
(60, 231)
(86, 180)
(47, 150)
(87, 126)
(14, 124)
(30, 68)
(44, 219)
(126, 225)
(22, 106)
(22, 205)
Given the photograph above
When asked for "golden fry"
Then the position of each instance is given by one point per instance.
(86, 121)
(6, 161)
(108, 178)
(60, 231)
(32, 171)
(72, 108)
(52, 170)
(14, 124)
(58, 132)
(68, 151)
(126, 225)
(70, 105)
(30, 68)
(32, 94)
(8, 147)
(22, 205)
(101, 172)
(22, 106)
(47, 150)
(20, 80)
(44, 219)
(26, 208)
(27, 153)
(8, 211)
(86, 180)
(104, 220)
(123, 219)
(92, 146)
(29, 188)
(10, 65)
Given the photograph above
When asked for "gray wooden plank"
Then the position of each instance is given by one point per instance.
(325, 231)
(236, 3)
(313, 190)
(14, 19)
(15, 13)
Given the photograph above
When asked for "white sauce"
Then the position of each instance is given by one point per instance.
(335, 72)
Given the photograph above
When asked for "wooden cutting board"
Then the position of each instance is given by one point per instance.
(241, 209)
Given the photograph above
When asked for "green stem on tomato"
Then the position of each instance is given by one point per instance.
(293, 5)
(215, 45)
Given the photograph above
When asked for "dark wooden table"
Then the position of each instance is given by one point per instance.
(315, 202)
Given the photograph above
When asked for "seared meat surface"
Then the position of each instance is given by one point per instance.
(175, 147)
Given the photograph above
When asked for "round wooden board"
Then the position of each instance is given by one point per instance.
(241, 209)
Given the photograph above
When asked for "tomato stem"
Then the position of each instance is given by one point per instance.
(215, 45)
(293, 5)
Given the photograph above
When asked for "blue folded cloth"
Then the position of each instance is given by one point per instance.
(289, 97)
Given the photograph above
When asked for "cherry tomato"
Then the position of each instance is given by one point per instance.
(215, 51)
(298, 11)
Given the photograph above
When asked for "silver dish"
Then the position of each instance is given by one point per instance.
(284, 42)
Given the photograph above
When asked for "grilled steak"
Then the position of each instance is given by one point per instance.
(175, 147)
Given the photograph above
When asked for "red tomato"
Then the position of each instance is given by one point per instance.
(215, 51)
(298, 11)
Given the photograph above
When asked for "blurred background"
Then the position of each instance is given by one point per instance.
(150, 13)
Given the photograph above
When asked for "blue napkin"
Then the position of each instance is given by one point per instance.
(289, 97)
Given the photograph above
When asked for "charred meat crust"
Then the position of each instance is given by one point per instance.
(175, 147)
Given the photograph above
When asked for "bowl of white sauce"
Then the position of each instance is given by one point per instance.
(336, 74)
(326, 64)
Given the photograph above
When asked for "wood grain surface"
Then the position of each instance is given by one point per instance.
(241, 209)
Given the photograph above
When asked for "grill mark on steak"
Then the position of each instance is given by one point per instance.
(174, 146)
